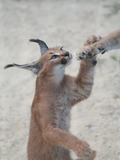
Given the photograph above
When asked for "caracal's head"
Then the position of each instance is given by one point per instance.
(52, 59)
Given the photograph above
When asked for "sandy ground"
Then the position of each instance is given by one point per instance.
(68, 23)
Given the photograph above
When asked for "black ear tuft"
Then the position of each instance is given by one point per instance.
(34, 66)
(8, 66)
(42, 44)
(35, 40)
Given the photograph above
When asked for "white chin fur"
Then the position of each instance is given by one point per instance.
(68, 63)
(59, 72)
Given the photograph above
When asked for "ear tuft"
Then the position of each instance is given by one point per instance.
(34, 66)
(8, 66)
(42, 44)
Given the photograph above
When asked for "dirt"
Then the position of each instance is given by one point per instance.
(67, 23)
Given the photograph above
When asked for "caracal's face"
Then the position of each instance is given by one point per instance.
(53, 59)
(56, 59)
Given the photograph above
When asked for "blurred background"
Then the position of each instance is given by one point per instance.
(67, 23)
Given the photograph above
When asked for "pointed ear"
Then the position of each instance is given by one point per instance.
(42, 44)
(34, 66)
(60, 48)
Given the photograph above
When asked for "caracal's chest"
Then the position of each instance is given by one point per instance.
(62, 105)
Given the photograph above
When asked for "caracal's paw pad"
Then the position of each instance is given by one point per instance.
(88, 51)
(85, 53)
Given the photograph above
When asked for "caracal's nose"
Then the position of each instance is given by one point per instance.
(66, 54)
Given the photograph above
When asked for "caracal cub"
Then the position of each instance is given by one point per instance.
(55, 94)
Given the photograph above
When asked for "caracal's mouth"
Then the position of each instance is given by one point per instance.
(66, 60)
(69, 61)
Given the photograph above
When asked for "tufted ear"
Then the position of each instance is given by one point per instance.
(42, 44)
(34, 66)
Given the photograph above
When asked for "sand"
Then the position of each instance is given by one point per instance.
(67, 23)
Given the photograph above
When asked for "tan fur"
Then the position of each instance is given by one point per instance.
(110, 42)
(49, 136)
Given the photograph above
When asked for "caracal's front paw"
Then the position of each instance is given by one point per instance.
(92, 39)
(85, 53)
(89, 51)
(85, 153)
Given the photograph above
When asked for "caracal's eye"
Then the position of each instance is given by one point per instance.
(54, 56)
